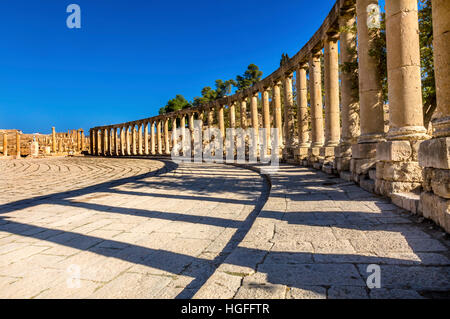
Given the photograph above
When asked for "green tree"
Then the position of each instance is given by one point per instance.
(176, 104)
(224, 88)
(284, 59)
(251, 76)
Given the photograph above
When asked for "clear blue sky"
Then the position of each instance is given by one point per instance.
(131, 56)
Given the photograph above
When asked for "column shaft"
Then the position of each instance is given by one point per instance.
(315, 79)
(288, 112)
(332, 123)
(243, 109)
(277, 111)
(146, 149)
(232, 111)
(302, 107)
(370, 91)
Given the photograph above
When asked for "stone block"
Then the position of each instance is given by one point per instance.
(402, 172)
(364, 150)
(438, 181)
(394, 151)
(327, 151)
(387, 188)
(435, 153)
(373, 174)
(343, 164)
(301, 151)
(314, 151)
(362, 166)
(437, 209)
(407, 201)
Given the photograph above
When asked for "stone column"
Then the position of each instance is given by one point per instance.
(140, 141)
(289, 121)
(107, 141)
(91, 142)
(17, 145)
(128, 139)
(434, 154)
(370, 92)
(173, 140)
(266, 117)
(349, 93)
(183, 131)
(122, 141)
(133, 139)
(315, 80)
(332, 121)
(399, 174)
(302, 114)
(112, 142)
(102, 142)
(53, 140)
(5, 144)
(210, 117)
(221, 120)
(158, 133)
(277, 111)
(82, 140)
(232, 114)
(116, 141)
(254, 112)
(146, 150)
(371, 100)
(78, 141)
(98, 142)
(243, 109)
(152, 137)
(166, 137)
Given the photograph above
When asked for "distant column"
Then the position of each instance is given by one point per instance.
(315, 80)
(183, 130)
(266, 113)
(81, 140)
(243, 109)
(158, 132)
(128, 139)
(53, 140)
(152, 137)
(288, 114)
(146, 150)
(166, 137)
(221, 120)
(232, 113)
(302, 106)
(277, 111)
(18, 144)
(140, 141)
(91, 142)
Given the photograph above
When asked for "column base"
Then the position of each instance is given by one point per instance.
(398, 170)
(301, 153)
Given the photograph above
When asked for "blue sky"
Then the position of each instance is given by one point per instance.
(131, 56)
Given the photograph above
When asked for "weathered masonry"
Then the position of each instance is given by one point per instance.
(342, 131)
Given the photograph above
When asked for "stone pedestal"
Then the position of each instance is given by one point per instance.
(434, 157)
(34, 149)
(300, 154)
(363, 160)
(398, 170)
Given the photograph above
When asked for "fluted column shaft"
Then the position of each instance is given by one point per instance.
(349, 89)
(221, 120)
(122, 141)
(266, 112)
(166, 136)
(403, 63)
(232, 110)
(152, 138)
(158, 133)
(302, 106)
(370, 91)
(332, 122)
(140, 140)
(243, 109)
(146, 150)
(277, 111)
(315, 80)
(53, 140)
(254, 113)
(288, 111)
(18, 144)
(128, 139)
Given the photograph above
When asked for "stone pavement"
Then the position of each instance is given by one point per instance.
(148, 228)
